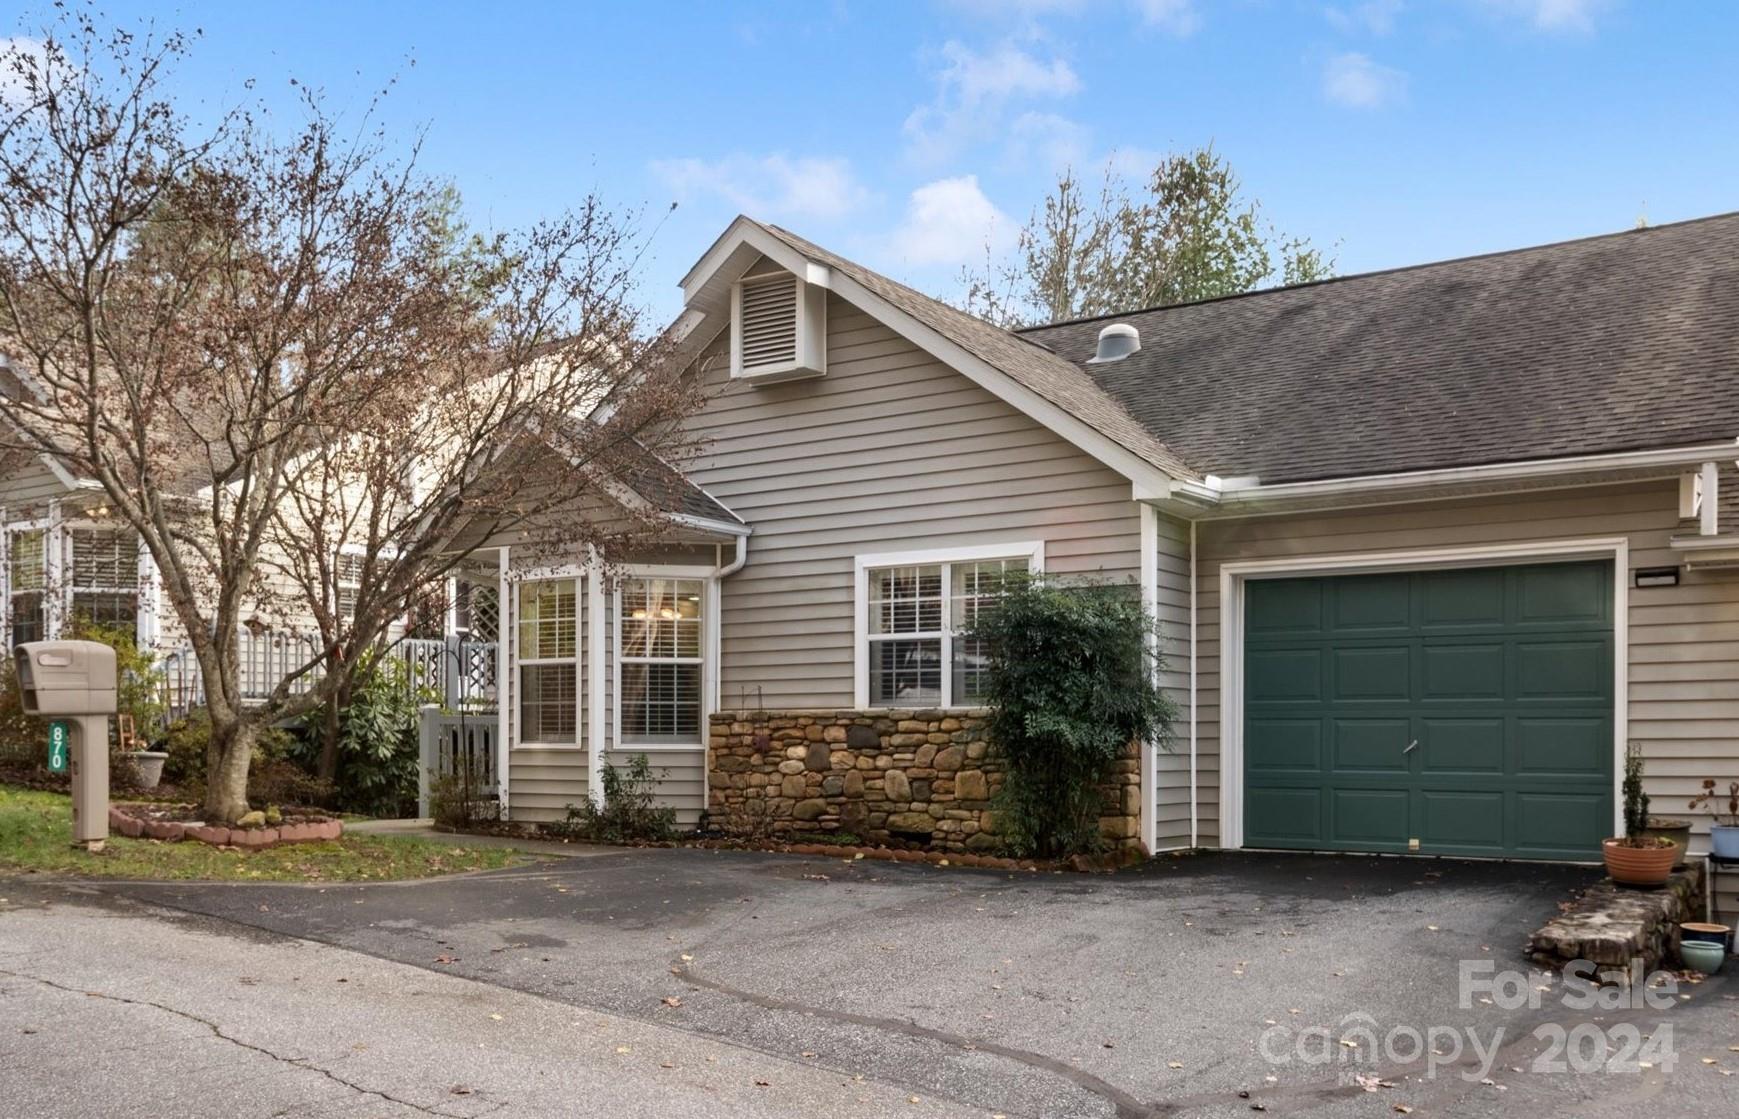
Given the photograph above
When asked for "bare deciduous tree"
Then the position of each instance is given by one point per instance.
(277, 356)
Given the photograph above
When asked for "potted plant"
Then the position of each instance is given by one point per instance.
(1724, 835)
(1637, 858)
(1675, 829)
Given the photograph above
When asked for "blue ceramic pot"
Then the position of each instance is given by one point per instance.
(1700, 955)
(1704, 933)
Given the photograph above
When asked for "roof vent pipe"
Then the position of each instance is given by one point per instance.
(1116, 342)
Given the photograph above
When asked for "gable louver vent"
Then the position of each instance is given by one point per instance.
(769, 317)
(778, 328)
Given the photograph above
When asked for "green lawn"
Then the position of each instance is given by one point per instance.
(36, 835)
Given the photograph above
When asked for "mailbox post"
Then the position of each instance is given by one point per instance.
(76, 679)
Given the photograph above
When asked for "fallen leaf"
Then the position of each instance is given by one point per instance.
(671, 1000)
(1174, 1064)
(446, 959)
(458, 1090)
(624, 1049)
(763, 1083)
(665, 1064)
(1403, 1109)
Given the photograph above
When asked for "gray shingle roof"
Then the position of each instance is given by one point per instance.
(1613, 343)
(1030, 365)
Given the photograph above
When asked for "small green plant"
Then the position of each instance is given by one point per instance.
(830, 838)
(456, 800)
(630, 812)
(1635, 800)
(1072, 684)
(377, 743)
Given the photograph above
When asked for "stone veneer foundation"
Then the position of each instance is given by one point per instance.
(903, 778)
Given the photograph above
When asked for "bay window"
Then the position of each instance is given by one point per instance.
(27, 584)
(660, 661)
(549, 663)
(914, 649)
(105, 577)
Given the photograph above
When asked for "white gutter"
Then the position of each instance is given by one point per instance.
(736, 565)
(1235, 492)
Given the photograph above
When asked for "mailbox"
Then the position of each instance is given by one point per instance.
(66, 677)
(76, 680)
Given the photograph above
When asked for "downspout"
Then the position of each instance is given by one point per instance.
(715, 657)
(1195, 825)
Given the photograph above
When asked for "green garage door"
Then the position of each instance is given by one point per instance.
(1467, 710)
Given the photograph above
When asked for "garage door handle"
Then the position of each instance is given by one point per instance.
(1408, 749)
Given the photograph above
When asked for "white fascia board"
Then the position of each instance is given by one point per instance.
(1234, 494)
(746, 231)
(708, 524)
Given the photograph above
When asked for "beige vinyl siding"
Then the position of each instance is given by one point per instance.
(1171, 791)
(890, 451)
(1683, 641)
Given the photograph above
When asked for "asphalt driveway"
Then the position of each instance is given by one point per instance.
(1198, 985)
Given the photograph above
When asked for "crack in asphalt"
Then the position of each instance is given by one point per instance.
(1128, 1107)
(294, 1062)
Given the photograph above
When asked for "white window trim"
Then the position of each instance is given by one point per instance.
(578, 576)
(50, 526)
(708, 578)
(1235, 575)
(1033, 551)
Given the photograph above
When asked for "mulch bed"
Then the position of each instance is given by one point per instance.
(174, 822)
(1092, 864)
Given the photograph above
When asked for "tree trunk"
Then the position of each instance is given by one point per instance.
(331, 727)
(226, 773)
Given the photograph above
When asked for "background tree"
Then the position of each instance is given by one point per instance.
(1187, 233)
(293, 372)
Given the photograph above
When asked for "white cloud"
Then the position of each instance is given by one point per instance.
(1046, 140)
(973, 94)
(1177, 17)
(1551, 15)
(951, 222)
(771, 186)
(1354, 80)
(1375, 16)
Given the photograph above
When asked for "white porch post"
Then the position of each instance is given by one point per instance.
(595, 636)
(148, 627)
(506, 658)
(57, 602)
(1150, 607)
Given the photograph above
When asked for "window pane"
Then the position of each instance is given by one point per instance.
(660, 703)
(28, 554)
(27, 619)
(971, 671)
(906, 600)
(661, 617)
(905, 673)
(978, 585)
(116, 611)
(105, 559)
(547, 619)
(548, 697)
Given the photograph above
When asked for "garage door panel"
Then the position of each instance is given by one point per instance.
(1370, 745)
(1563, 670)
(1473, 671)
(1565, 593)
(1470, 821)
(1371, 819)
(1383, 672)
(1283, 675)
(1502, 675)
(1563, 747)
(1284, 606)
(1379, 603)
(1462, 745)
(1284, 745)
(1556, 825)
(1283, 817)
(1452, 601)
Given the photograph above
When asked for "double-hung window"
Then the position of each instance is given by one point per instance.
(105, 577)
(660, 670)
(916, 614)
(549, 663)
(27, 585)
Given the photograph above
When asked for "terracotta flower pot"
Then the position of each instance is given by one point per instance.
(1639, 866)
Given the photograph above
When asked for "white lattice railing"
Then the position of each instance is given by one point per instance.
(456, 744)
(458, 671)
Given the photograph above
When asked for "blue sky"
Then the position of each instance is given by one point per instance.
(910, 135)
